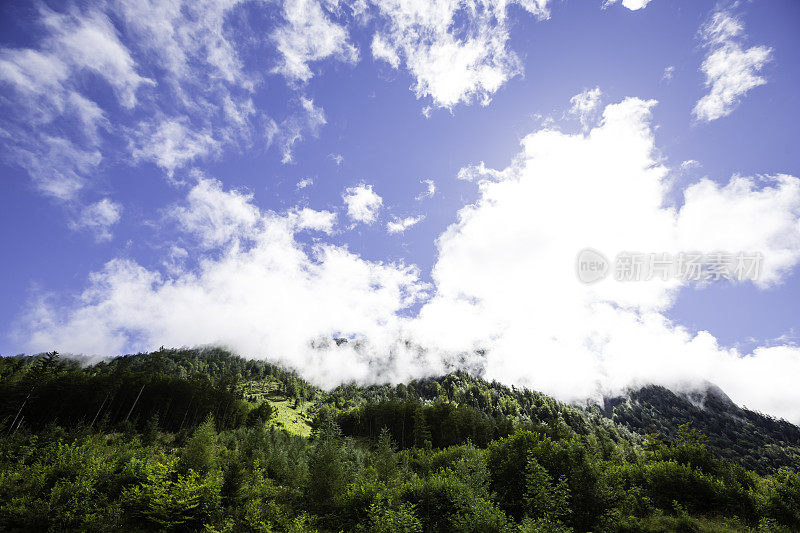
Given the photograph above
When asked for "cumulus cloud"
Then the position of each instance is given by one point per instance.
(730, 70)
(399, 225)
(363, 204)
(505, 279)
(669, 72)
(261, 293)
(506, 300)
(98, 218)
(456, 53)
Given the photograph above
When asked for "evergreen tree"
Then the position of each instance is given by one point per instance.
(422, 433)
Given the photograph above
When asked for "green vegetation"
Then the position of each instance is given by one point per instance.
(200, 440)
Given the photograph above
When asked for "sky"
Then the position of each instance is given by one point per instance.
(415, 176)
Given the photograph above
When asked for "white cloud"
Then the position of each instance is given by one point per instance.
(308, 36)
(31, 71)
(505, 278)
(399, 225)
(58, 131)
(585, 106)
(633, 5)
(98, 218)
(174, 262)
(57, 166)
(363, 204)
(291, 131)
(311, 219)
(266, 297)
(383, 51)
(46, 82)
(305, 182)
(179, 33)
(456, 53)
(730, 70)
(505, 285)
(91, 42)
(217, 217)
(171, 143)
(480, 172)
(337, 158)
(170, 58)
(689, 164)
(430, 190)
(669, 72)
(315, 115)
(193, 48)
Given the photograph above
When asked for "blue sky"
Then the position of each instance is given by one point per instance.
(152, 153)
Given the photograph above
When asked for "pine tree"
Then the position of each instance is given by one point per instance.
(422, 433)
(384, 458)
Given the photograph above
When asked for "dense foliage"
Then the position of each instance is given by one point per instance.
(189, 441)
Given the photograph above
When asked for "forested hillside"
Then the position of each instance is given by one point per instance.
(201, 440)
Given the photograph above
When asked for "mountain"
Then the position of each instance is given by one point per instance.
(190, 440)
(755, 440)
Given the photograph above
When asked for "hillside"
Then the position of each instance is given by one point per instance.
(757, 441)
(186, 440)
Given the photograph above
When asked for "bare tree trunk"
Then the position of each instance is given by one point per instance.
(18, 425)
(21, 407)
(134, 403)
(99, 409)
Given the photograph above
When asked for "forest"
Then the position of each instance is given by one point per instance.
(204, 440)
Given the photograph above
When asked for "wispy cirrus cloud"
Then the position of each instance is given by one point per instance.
(45, 86)
(183, 94)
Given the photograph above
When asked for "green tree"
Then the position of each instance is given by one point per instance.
(383, 458)
(327, 476)
(422, 433)
(200, 454)
(545, 499)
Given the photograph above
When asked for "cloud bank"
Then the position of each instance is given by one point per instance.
(505, 299)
